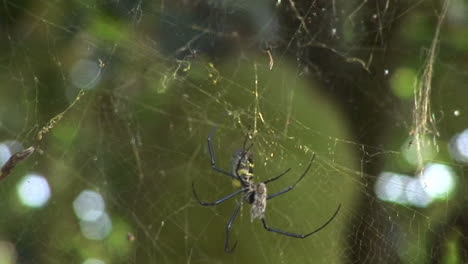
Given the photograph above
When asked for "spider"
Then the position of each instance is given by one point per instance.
(254, 193)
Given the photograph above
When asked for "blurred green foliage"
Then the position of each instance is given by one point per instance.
(171, 71)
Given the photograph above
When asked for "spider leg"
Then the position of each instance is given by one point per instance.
(227, 247)
(249, 147)
(218, 201)
(287, 189)
(277, 177)
(213, 158)
(265, 225)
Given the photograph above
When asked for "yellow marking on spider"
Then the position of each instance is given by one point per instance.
(243, 172)
(236, 183)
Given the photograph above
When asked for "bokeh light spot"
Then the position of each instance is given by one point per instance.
(437, 180)
(5, 154)
(459, 147)
(33, 190)
(416, 195)
(97, 229)
(85, 74)
(389, 186)
(93, 261)
(89, 205)
(402, 82)
(412, 152)
(8, 253)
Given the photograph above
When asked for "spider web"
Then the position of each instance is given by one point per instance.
(118, 98)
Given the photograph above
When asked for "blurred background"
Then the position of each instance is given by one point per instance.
(118, 99)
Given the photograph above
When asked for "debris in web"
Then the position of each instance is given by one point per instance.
(52, 122)
(423, 119)
(14, 160)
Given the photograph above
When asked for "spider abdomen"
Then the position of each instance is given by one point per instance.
(258, 201)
